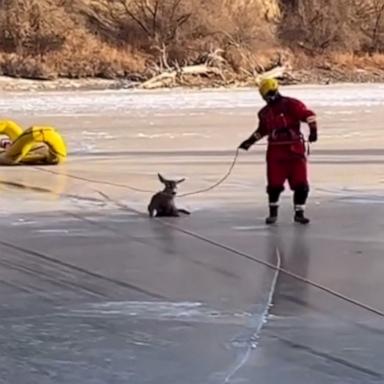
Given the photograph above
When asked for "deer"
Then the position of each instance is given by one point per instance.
(162, 203)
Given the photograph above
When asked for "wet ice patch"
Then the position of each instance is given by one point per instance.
(168, 135)
(194, 134)
(250, 228)
(98, 134)
(22, 222)
(83, 148)
(350, 193)
(181, 311)
(69, 233)
(65, 231)
(364, 199)
(339, 112)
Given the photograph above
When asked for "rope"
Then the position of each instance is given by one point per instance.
(234, 161)
(132, 188)
(93, 181)
(199, 191)
(219, 182)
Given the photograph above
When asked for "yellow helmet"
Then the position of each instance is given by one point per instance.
(268, 85)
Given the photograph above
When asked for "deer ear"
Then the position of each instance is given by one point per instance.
(161, 178)
(180, 181)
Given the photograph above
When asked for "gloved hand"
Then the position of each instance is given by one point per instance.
(312, 137)
(246, 144)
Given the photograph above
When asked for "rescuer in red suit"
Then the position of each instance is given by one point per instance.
(280, 120)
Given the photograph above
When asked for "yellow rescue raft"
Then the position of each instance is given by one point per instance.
(35, 145)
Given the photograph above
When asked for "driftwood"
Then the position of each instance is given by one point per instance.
(168, 78)
(165, 75)
(277, 73)
(281, 72)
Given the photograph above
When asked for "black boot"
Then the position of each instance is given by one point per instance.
(272, 218)
(300, 218)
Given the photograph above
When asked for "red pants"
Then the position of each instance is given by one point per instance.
(285, 165)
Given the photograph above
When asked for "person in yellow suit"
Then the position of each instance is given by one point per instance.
(35, 145)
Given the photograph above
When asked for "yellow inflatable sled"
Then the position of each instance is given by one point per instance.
(36, 145)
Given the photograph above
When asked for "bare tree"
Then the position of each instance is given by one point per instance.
(158, 20)
(370, 19)
(30, 28)
(319, 25)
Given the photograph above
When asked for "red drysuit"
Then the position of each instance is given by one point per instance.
(286, 157)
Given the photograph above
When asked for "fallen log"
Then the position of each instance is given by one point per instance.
(281, 72)
(169, 78)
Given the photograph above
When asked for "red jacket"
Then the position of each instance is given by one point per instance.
(281, 122)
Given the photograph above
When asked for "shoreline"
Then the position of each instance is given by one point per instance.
(301, 77)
